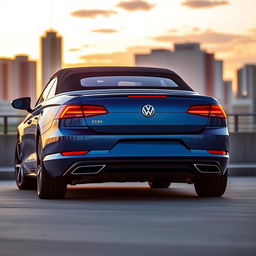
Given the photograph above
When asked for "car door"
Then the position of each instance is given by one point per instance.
(29, 129)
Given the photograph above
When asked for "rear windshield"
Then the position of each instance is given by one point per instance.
(127, 81)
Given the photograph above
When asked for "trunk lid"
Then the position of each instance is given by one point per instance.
(129, 115)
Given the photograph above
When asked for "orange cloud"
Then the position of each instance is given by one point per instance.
(207, 36)
(142, 48)
(173, 30)
(105, 30)
(74, 49)
(135, 5)
(196, 4)
(92, 13)
(252, 30)
(108, 59)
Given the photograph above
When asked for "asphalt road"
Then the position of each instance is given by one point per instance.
(129, 219)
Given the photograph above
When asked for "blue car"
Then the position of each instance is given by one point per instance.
(121, 124)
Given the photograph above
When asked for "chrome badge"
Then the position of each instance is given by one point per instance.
(148, 110)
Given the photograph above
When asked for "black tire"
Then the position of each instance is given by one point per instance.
(22, 180)
(214, 186)
(159, 183)
(48, 187)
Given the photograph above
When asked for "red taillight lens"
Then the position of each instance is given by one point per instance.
(217, 111)
(94, 110)
(208, 110)
(75, 111)
(147, 96)
(217, 152)
(71, 112)
(202, 110)
(74, 153)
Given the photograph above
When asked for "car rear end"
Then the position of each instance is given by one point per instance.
(108, 137)
(135, 134)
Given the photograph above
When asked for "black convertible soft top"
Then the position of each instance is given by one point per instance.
(69, 78)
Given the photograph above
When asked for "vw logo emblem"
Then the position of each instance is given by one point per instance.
(148, 110)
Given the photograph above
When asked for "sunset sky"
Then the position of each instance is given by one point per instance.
(108, 32)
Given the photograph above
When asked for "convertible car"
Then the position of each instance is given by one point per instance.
(121, 124)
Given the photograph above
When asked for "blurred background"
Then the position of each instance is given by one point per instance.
(210, 43)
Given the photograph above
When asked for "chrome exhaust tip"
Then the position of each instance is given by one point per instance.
(88, 169)
(208, 168)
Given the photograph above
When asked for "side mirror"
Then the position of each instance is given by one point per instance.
(22, 103)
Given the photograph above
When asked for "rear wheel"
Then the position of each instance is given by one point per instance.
(211, 186)
(48, 187)
(159, 183)
(22, 180)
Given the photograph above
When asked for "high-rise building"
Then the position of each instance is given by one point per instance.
(245, 101)
(219, 83)
(241, 92)
(197, 67)
(246, 87)
(228, 96)
(246, 77)
(17, 78)
(157, 58)
(5, 77)
(24, 78)
(51, 55)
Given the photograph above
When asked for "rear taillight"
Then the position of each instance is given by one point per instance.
(217, 152)
(71, 112)
(94, 110)
(74, 153)
(208, 110)
(75, 111)
(217, 111)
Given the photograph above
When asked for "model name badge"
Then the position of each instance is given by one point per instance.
(97, 122)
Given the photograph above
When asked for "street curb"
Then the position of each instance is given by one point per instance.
(235, 170)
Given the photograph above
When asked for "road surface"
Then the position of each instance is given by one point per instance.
(129, 219)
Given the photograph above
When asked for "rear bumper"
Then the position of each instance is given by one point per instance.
(81, 170)
(135, 157)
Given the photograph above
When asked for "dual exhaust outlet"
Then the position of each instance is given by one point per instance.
(208, 168)
(88, 169)
(95, 169)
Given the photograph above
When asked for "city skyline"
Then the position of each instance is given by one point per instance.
(203, 72)
(100, 33)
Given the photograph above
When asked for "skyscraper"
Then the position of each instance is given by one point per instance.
(17, 78)
(24, 78)
(246, 77)
(245, 101)
(51, 55)
(228, 96)
(197, 67)
(246, 87)
(219, 82)
(5, 77)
